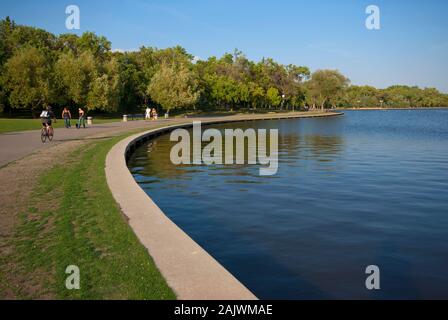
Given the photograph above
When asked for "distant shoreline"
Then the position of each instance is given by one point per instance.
(379, 108)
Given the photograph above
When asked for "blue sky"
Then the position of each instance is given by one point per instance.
(411, 47)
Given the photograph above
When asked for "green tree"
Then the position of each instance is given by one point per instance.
(273, 97)
(38, 67)
(104, 89)
(6, 44)
(98, 46)
(325, 86)
(76, 74)
(173, 87)
(26, 79)
(257, 95)
(133, 85)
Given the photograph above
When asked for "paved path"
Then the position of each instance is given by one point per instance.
(21, 178)
(17, 145)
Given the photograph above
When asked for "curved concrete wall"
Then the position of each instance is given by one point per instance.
(188, 269)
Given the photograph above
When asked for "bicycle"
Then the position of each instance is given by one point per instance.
(47, 133)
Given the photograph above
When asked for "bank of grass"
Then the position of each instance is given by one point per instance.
(74, 220)
(13, 125)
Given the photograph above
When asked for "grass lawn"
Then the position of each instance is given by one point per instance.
(74, 220)
(11, 125)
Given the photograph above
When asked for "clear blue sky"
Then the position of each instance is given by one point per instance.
(411, 47)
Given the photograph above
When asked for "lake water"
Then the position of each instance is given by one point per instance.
(366, 188)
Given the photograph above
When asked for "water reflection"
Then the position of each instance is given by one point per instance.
(350, 192)
(151, 163)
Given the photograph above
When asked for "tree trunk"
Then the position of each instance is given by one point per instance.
(323, 104)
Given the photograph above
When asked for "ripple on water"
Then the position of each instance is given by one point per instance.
(366, 188)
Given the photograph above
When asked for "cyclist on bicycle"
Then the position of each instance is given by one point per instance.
(46, 116)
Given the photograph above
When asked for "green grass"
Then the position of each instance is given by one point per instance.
(74, 220)
(12, 125)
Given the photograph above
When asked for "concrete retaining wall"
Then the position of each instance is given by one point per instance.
(188, 269)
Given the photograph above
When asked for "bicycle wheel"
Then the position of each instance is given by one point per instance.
(50, 133)
(43, 135)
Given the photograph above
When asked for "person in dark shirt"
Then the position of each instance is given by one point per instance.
(82, 119)
(67, 116)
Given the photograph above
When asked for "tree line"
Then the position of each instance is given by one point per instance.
(39, 68)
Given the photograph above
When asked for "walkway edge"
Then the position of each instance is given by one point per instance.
(188, 269)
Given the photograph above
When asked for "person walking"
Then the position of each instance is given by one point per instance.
(67, 116)
(154, 115)
(148, 113)
(81, 120)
